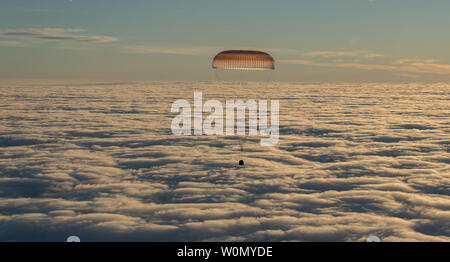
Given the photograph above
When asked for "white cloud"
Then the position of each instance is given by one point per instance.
(55, 35)
(11, 43)
(98, 161)
(329, 54)
(403, 65)
(197, 50)
(145, 49)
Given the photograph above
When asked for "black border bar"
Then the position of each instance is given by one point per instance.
(171, 250)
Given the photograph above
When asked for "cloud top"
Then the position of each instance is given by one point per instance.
(98, 160)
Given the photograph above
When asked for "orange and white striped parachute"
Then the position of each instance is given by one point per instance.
(243, 60)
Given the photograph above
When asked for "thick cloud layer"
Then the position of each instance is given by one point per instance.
(98, 160)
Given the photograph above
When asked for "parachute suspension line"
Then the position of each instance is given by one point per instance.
(244, 60)
(240, 138)
(270, 77)
(217, 75)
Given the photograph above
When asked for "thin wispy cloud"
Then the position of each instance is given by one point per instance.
(197, 50)
(427, 66)
(55, 34)
(11, 43)
(413, 60)
(416, 67)
(328, 54)
(145, 49)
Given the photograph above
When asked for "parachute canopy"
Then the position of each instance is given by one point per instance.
(243, 60)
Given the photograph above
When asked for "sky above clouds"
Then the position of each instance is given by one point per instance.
(331, 41)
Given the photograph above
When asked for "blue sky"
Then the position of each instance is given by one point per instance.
(348, 40)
